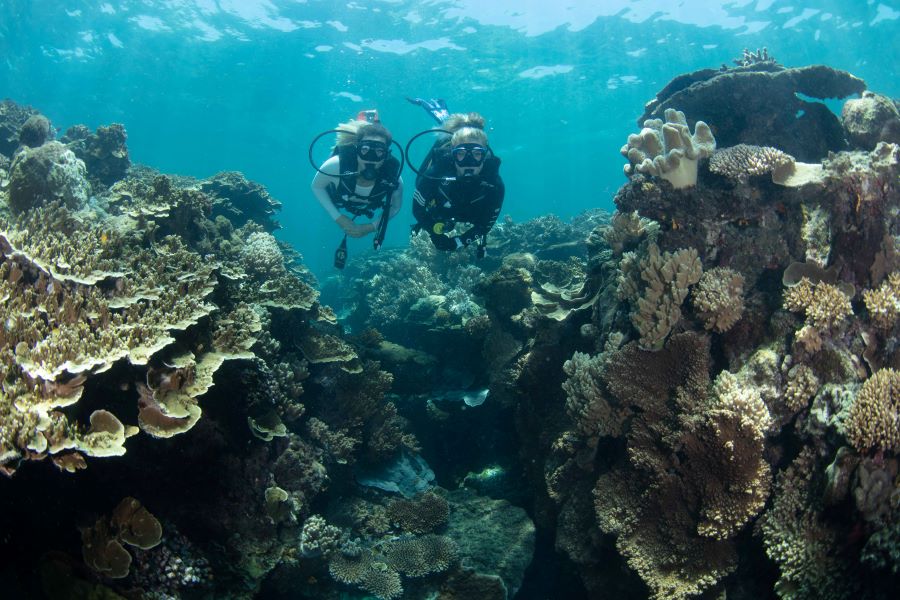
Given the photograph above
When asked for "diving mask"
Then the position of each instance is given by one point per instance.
(372, 150)
(468, 155)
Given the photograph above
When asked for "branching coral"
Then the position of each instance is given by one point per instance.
(668, 150)
(874, 419)
(719, 298)
(802, 384)
(824, 304)
(883, 303)
(627, 229)
(656, 285)
(798, 542)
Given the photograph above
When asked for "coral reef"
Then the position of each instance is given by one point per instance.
(719, 298)
(47, 173)
(744, 161)
(873, 422)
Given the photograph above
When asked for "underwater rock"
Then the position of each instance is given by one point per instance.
(12, 118)
(41, 175)
(871, 119)
(494, 537)
(407, 475)
(36, 131)
(104, 153)
(240, 200)
(761, 106)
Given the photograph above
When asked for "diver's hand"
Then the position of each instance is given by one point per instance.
(352, 229)
(445, 242)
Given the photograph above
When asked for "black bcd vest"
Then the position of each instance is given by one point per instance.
(343, 194)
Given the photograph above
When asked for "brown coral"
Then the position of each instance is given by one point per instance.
(743, 161)
(422, 514)
(656, 285)
(719, 298)
(874, 419)
(420, 556)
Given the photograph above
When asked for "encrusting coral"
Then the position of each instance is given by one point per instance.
(668, 150)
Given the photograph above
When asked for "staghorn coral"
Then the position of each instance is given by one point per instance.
(743, 161)
(656, 285)
(883, 303)
(719, 298)
(873, 422)
(421, 556)
(824, 304)
(668, 150)
(422, 514)
(727, 455)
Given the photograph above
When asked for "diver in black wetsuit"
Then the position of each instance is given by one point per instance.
(459, 182)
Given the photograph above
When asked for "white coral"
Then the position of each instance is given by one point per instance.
(668, 150)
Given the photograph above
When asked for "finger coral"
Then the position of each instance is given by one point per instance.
(874, 419)
(668, 150)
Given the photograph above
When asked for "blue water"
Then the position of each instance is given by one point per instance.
(209, 85)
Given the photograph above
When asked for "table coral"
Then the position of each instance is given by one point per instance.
(668, 149)
(421, 556)
(422, 514)
(743, 161)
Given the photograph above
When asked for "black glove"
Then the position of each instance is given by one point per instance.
(444, 242)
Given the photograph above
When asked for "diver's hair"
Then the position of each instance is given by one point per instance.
(471, 135)
(459, 120)
(354, 130)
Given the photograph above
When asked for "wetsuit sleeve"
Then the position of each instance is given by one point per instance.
(486, 218)
(320, 182)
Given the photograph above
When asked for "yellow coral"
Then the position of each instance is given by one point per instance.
(824, 304)
(883, 303)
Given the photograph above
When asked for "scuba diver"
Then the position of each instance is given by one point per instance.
(458, 182)
(361, 178)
